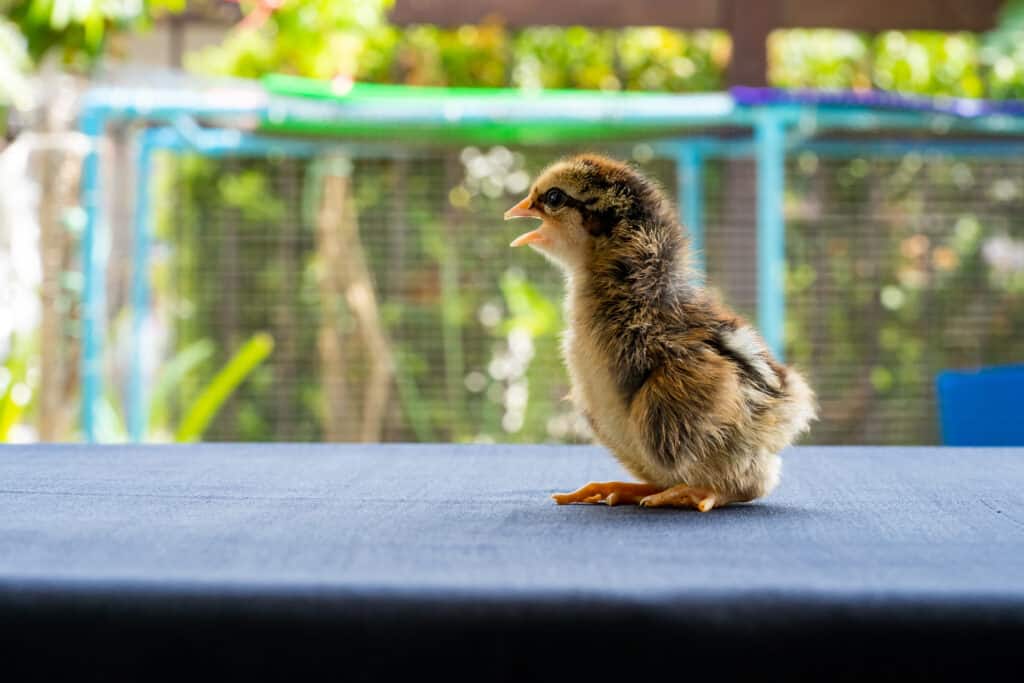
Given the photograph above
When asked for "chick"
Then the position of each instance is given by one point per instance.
(682, 391)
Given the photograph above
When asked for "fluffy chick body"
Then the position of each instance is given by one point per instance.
(681, 390)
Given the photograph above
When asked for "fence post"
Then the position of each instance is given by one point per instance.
(690, 192)
(94, 255)
(137, 408)
(770, 152)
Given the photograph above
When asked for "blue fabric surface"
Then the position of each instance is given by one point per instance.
(926, 541)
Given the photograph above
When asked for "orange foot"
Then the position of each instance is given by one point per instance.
(608, 492)
(683, 496)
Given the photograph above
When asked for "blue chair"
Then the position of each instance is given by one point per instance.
(983, 407)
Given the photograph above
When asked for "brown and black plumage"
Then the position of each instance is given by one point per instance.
(683, 392)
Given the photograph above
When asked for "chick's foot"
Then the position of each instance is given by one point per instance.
(608, 492)
(683, 496)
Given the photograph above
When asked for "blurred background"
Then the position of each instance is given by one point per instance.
(896, 267)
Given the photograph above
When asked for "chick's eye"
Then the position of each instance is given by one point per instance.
(554, 198)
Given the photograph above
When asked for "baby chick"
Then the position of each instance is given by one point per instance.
(681, 390)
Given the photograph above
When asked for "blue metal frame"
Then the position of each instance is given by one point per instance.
(94, 253)
(138, 415)
(690, 192)
(102, 107)
(770, 153)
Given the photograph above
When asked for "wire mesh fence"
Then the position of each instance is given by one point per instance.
(397, 310)
(899, 268)
(398, 313)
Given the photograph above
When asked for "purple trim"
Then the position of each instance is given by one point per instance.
(963, 107)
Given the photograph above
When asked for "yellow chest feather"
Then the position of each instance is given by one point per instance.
(594, 391)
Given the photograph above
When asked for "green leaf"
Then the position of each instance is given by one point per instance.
(173, 374)
(530, 309)
(15, 89)
(110, 427)
(93, 25)
(216, 393)
(15, 371)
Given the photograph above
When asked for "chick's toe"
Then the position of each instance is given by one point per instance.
(684, 496)
(608, 492)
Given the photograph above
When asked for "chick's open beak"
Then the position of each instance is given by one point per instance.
(524, 209)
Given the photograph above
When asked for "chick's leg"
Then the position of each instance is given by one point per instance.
(684, 496)
(609, 492)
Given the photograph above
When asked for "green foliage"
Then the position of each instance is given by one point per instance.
(14, 66)
(830, 59)
(220, 388)
(313, 38)
(928, 63)
(172, 377)
(16, 392)
(378, 58)
(467, 56)
(574, 57)
(530, 310)
(661, 59)
(357, 41)
(79, 29)
(920, 62)
(1002, 52)
(327, 39)
(247, 192)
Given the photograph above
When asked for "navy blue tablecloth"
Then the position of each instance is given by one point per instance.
(363, 561)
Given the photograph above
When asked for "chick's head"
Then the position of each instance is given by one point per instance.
(581, 202)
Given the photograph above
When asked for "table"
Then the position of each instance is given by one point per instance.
(367, 561)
